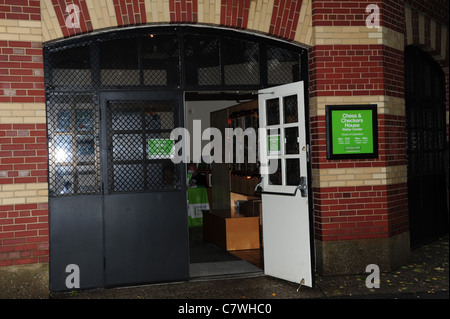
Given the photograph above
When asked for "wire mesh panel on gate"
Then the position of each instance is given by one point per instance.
(139, 146)
(73, 144)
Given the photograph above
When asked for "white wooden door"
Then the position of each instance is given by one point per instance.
(284, 171)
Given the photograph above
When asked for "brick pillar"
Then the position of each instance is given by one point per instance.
(360, 206)
(23, 148)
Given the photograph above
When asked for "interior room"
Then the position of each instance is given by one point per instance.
(225, 226)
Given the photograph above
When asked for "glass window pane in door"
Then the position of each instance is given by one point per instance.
(290, 107)
(273, 111)
(291, 140)
(275, 177)
(293, 171)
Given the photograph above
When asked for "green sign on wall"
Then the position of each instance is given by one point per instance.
(352, 131)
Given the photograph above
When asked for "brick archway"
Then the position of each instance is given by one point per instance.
(426, 30)
(290, 20)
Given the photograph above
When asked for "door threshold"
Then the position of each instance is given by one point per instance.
(223, 270)
(227, 276)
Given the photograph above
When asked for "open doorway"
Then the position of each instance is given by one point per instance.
(426, 147)
(225, 225)
(113, 99)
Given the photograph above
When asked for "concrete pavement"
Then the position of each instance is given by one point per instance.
(426, 276)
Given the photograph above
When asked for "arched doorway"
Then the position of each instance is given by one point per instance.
(118, 210)
(426, 146)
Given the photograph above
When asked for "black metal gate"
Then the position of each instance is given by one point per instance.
(145, 222)
(426, 146)
(122, 217)
(117, 206)
(76, 199)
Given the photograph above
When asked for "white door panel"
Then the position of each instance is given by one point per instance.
(286, 239)
(285, 212)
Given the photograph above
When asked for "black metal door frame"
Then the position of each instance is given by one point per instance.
(81, 74)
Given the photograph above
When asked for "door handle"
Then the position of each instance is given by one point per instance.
(259, 185)
(303, 187)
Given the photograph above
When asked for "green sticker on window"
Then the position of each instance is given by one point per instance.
(160, 148)
(274, 144)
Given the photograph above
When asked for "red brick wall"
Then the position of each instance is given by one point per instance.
(348, 213)
(23, 227)
(23, 144)
(360, 212)
(353, 13)
(234, 13)
(130, 12)
(21, 72)
(20, 9)
(344, 70)
(23, 153)
(340, 13)
(23, 234)
(285, 17)
(183, 11)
